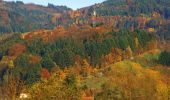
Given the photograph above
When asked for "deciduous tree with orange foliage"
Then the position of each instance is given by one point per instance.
(45, 74)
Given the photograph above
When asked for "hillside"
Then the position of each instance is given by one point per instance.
(120, 14)
(20, 17)
(127, 14)
(130, 7)
(102, 64)
(114, 50)
(132, 14)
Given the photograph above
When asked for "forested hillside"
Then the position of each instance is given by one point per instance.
(131, 14)
(125, 14)
(104, 64)
(115, 50)
(20, 17)
(131, 7)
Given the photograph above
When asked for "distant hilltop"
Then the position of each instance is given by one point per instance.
(151, 15)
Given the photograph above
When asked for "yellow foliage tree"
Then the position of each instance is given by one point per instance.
(86, 69)
(129, 52)
(118, 54)
(136, 42)
(11, 64)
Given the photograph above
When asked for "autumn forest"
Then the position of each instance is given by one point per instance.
(114, 50)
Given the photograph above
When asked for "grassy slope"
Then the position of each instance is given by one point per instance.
(137, 75)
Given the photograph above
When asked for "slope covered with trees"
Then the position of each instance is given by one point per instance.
(131, 7)
(106, 51)
(34, 60)
(132, 14)
(20, 17)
